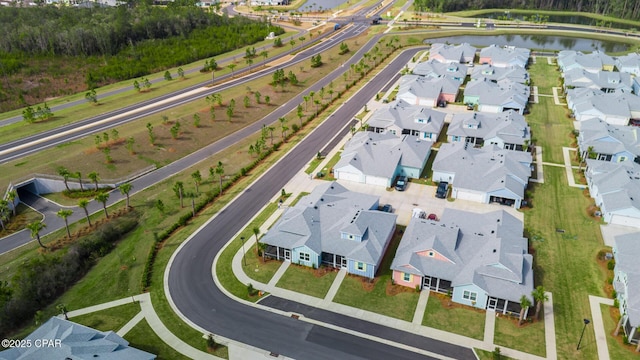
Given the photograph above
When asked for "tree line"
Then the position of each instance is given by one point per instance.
(624, 9)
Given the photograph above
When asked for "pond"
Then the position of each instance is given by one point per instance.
(564, 19)
(537, 42)
(315, 5)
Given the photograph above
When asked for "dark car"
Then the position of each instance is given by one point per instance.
(470, 107)
(442, 104)
(401, 183)
(441, 192)
(387, 208)
(432, 217)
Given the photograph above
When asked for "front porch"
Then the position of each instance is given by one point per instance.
(504, 306)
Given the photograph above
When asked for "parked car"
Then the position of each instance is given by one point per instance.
(442, 104)
(401, 183)
(470, 107)
(432, 217)
(387, 208)
(441, 191)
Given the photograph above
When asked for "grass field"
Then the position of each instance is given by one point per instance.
(443, 314)
(306, 280)
(258, 270)
(110, 319)
(528, 338)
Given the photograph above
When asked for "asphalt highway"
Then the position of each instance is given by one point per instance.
(191, 287)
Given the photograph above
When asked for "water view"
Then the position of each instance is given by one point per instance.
(537, 42)
(565, 19)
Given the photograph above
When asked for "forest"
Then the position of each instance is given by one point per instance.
(49, 51)
(623, 9)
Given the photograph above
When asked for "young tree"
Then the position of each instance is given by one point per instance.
(293, 79)
(167, 75)
(246, 101)
(196, 120)
(264, 55)
(257, 95)
(130, 142)
(62, 171)
(299, 113)
(256, 232)
(292, 42)
(283, 122)
(107, 155)
(525, 303)
(124, 190)
(92, 97)
(271, 130)
(219, 170)
(277, 42)
(94, 177)
(35, 228)
(539, 297)
(197, 179)
(136, 85)
(249, 62)
(302, 39)
(231, 67)
(229, 112)
(83, 203)
(4, 213)
(181, 73)
(29, 115)
(64, 214)
(306, 102)
(12, 195)
(147, 84)
(267, 99)
(178, 189)
(115, 135)
(152, 137)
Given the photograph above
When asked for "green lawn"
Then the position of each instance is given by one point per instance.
(617, 350)
(306, 280)
(258, 270)
(488, 355)
(24, 216)
(382, 297)
(443, 314)
(528, 338)
(550, 128)
(329, 166)
(544, 76)
(110, 319)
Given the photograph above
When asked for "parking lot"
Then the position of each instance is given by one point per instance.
(423, 197)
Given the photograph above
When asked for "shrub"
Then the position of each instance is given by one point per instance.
(611, 264)
(211, 343)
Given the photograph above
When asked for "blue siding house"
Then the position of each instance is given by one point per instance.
(334, 227)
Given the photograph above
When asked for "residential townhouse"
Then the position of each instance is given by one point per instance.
(496, 97)
(617, 108)
(626, 282)
(377, 158)
(602, 141)
(615, 187)
(504, 56)
(507, 130)
(435, 69)
(445, 53)
(605, 81)
(402, 118)
(514, 73)
(420, 90)
(594, 62)
(629, 63)
(335, 227)
(486, 175)
(481, 260)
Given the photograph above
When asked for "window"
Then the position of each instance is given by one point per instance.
(360, 266)
(431, 253)
(455, 138)
(304, 257)
(407, 277)
(469, 295)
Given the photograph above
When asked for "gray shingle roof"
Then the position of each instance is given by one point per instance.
(514, 73)
(609, 80)
(617, 184)
(509, 126)
(627, 253)
(503, 56)
(452, 53)
(318, 219)
(78, 342)
(595, 61)
(405, 116)
(433, 69)
(629, 63)
(484, 169)
(502, 92)
(487, 250)
(605, 138)
(380, 154)
(422, 87)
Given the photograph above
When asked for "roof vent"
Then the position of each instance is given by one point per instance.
(315, 207)
(480, 234)
(321, 199)
(494, 251)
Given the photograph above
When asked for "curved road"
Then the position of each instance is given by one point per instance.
(191, 287)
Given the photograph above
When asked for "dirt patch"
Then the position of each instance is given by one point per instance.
(393, 289)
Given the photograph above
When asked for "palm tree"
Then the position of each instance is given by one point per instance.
(78, 175)
(539, 297)
(283, 121)
(64, 214)
(83, 203)
(231, 66)
(306, 102)
(197, 179)
(525, 303)
(125, 189)
(35, 228)
(103, 197)
(256, 232)
(219, 170)
(12, 195)
(95, 178)
(62, 171)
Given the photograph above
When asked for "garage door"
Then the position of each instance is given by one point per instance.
(374, 180)
(343, 175)
(469, 195)
(625, 220)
